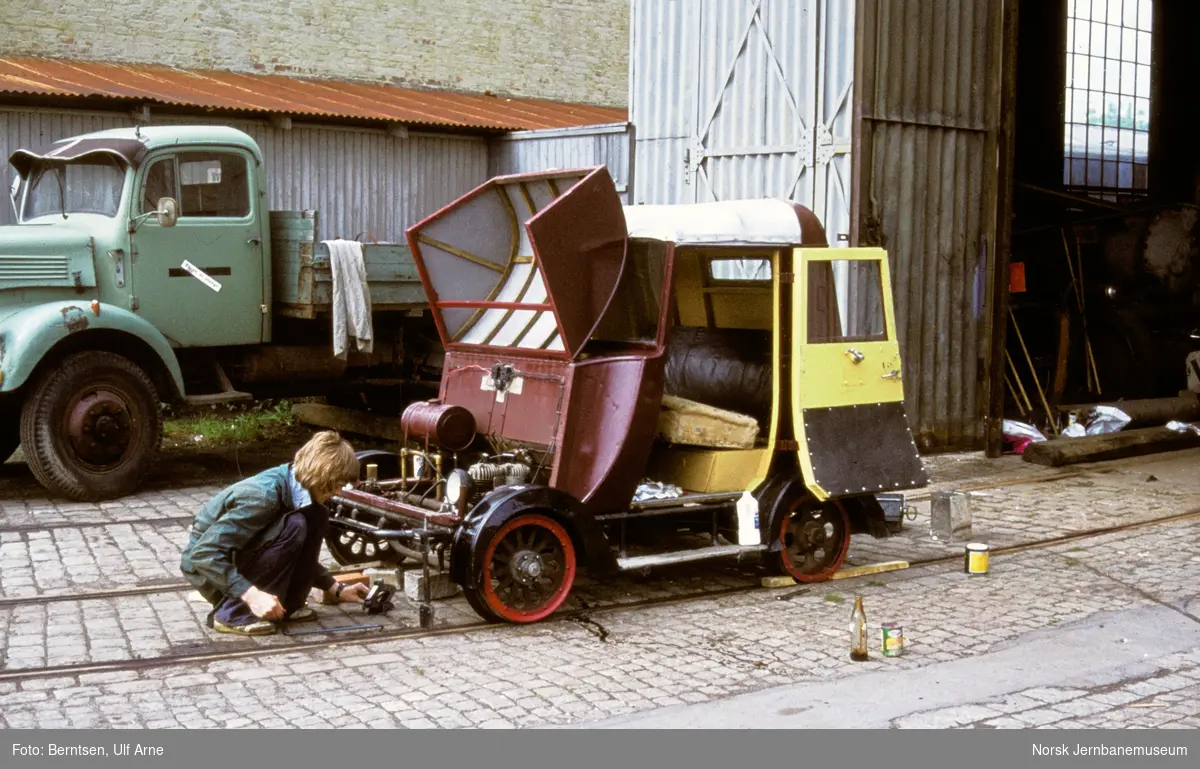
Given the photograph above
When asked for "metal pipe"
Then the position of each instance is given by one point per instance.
(662, 511)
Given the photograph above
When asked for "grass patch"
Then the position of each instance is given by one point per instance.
(1075, 550)
(833, 598)
(251, 422)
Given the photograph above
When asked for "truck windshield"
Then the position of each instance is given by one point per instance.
(78, 187)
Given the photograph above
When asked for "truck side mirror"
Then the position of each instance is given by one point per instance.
(167, 212)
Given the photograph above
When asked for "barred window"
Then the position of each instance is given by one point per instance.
(1108, 96)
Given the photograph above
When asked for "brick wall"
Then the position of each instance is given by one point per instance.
(568, 50)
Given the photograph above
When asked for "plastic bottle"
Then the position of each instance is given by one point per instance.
(747, 520)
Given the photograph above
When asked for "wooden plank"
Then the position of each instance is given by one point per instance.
(1151, 412)
(1101, 448)
(872, 568)
(1064, 357)
(348, 421)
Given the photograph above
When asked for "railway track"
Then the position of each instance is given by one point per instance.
(585, 614)
(25, 528)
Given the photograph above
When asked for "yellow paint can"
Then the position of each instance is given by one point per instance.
(975, 560)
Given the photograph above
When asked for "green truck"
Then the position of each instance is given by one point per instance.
(144, 269)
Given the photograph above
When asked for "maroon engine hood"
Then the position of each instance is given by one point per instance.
(524, 263)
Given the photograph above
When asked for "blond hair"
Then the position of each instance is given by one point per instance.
(326, 463)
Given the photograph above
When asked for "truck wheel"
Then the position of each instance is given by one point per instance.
(91, 427)
(528, 570)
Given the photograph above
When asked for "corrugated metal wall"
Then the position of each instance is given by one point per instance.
(928, 95)
(744, 99)
(663, 59)
(359, 180)
(880, 115)
(528, 151)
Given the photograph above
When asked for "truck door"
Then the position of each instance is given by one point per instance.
(201, 282)
(847, 383)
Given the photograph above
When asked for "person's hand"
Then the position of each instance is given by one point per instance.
(263, 604)
(355, 593)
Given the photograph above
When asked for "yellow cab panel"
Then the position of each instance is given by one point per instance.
(847, 388)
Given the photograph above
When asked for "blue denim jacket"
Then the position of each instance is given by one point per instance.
(241, 517)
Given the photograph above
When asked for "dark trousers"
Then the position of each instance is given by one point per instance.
(284, 567)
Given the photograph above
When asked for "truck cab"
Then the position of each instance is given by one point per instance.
(142, 270)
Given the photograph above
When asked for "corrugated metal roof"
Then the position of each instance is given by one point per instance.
(291, 95)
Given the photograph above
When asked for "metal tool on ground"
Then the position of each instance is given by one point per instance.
(339, 629)
(379, 599)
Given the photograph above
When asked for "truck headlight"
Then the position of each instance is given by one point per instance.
(459, 489)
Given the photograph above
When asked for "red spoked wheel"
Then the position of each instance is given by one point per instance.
(528, 570)
(815, 539)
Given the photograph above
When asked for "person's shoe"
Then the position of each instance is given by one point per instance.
(259, 627)
(303, 614)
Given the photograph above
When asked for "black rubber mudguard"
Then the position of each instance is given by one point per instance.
(862, 449)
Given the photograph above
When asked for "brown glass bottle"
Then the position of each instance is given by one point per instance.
(858, 632)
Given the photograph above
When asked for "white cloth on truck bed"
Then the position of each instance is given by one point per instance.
(351, 297)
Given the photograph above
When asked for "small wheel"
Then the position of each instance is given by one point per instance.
(815, 539)
(91, 427)
(350, 547)
(528, 570)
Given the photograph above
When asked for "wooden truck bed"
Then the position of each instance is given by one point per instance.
(303, 280)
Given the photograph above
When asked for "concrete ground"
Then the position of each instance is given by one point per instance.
(1096, 629)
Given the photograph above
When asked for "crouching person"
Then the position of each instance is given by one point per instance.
(254, 548)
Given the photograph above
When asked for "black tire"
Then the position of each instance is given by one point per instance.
(10, 430)
(110, 397)
(476, 602)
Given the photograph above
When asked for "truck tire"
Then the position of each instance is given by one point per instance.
(10, 430)
(91, 427)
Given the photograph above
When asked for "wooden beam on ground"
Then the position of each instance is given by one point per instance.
(1101, 448)
(348, 421)
(872, 568)
(1148, 412)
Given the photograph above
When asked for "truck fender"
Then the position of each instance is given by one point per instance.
(27, 336)
(466, 562)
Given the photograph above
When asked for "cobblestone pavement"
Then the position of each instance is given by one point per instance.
(609, 661)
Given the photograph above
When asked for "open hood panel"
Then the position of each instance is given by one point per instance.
(526, 262)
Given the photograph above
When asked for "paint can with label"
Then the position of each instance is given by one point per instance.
(893, 639)
(975, 559)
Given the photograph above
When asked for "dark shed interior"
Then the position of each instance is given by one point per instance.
(1105, 259)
